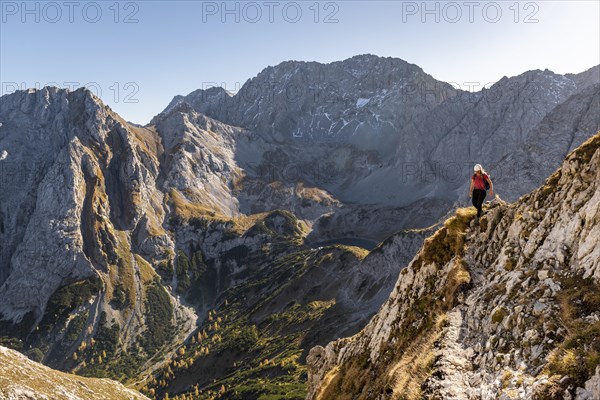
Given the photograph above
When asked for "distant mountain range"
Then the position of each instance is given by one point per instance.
(236, 212)
(380, 135)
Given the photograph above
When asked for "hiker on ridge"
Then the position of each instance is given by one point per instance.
(480, 183)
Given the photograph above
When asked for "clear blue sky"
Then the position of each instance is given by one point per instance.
(176, 47)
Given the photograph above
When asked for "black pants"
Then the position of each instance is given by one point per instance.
(478, 198)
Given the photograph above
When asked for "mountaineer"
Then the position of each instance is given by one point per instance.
(480, 183)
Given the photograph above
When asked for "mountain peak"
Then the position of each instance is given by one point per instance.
(199, 97)
(53, 91)
(586, 78)
(52, 98)
(373, 58)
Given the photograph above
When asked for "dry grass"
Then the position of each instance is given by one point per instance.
(147, 273)
(587, 149)
(420, 230)
(579, 353)
(154, 226)
(348, 382)
(146, 138)
(499, 315)
(358, 252)
(242, 223)
(186, 210)
(326, 381)
(458, 278)
(155, 214)
(314, 194)
(276, 185)
(125, 271)
(448, 241)
(416, 364)
(583, 153)
(459, 222)
(327, 258)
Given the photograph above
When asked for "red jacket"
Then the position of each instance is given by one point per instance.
(479, 181)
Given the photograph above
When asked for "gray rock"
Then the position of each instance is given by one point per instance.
(560, 226)
(539, 308)
(409, 150)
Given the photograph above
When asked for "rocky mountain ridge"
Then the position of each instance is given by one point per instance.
(504, 309)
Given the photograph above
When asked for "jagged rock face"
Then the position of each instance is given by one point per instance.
(387, 137)
(232, 170)
(80, 208)
(560, 132)
(587, 78)
(353, 100)
(35, 128)
(522, 321)
(491, 127)
(199, 158)
(77, 166)
(23, 379)
(329, 127)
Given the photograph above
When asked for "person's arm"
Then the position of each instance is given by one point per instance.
(471, 188)
(491, 186)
